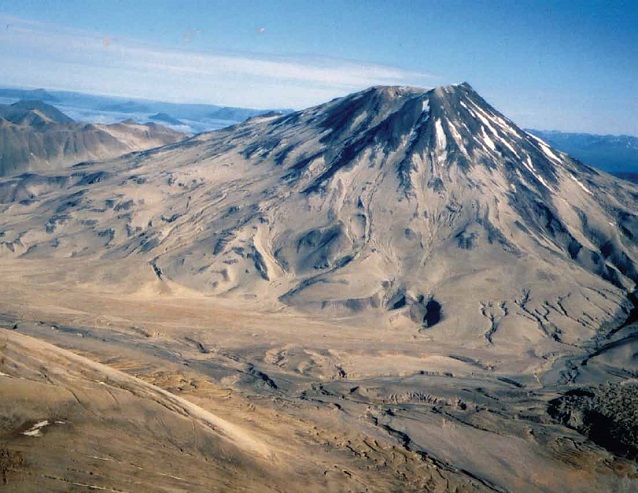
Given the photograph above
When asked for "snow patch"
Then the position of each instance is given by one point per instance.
(537, 139)
(506, 144)
(456, 135)
(540, 178)
(34, 431)
(548, 152)
(487, 139)
(441, 140)
(530, 166)
(100, 458)
(484, 117)
(486, 122)
(545, 148)
(581, 185)
(506, 126)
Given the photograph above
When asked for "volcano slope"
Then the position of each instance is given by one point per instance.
(401, 279)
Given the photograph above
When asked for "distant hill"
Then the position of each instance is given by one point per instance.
(612, 153)
(22, 111)
(36, 136)
(165, 118)
(28, 94)
(633, 177)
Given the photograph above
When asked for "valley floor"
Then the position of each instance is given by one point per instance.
(152, 391)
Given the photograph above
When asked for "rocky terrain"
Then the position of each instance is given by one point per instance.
(606, 414)
(35, 136)
(397, 290)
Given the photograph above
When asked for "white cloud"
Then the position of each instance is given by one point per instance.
(38, 54)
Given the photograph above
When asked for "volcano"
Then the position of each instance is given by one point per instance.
(398, 290)
(393, 206)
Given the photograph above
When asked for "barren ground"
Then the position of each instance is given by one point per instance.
(169, 392)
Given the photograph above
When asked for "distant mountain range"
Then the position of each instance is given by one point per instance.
(616, 154)
(627, 176)
(190, 118)
(165, 118)
(35, 136)
(28, 94)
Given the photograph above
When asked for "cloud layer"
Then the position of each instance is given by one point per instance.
(54, 57)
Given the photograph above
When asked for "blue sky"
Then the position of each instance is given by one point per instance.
(567, 65)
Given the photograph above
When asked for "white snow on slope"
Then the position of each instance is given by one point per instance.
(545, 148)
(441, 140)
(581, 185)
(487, 139)
(34, 431)
(530, 166)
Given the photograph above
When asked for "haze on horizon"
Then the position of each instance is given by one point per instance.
(549, 65)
